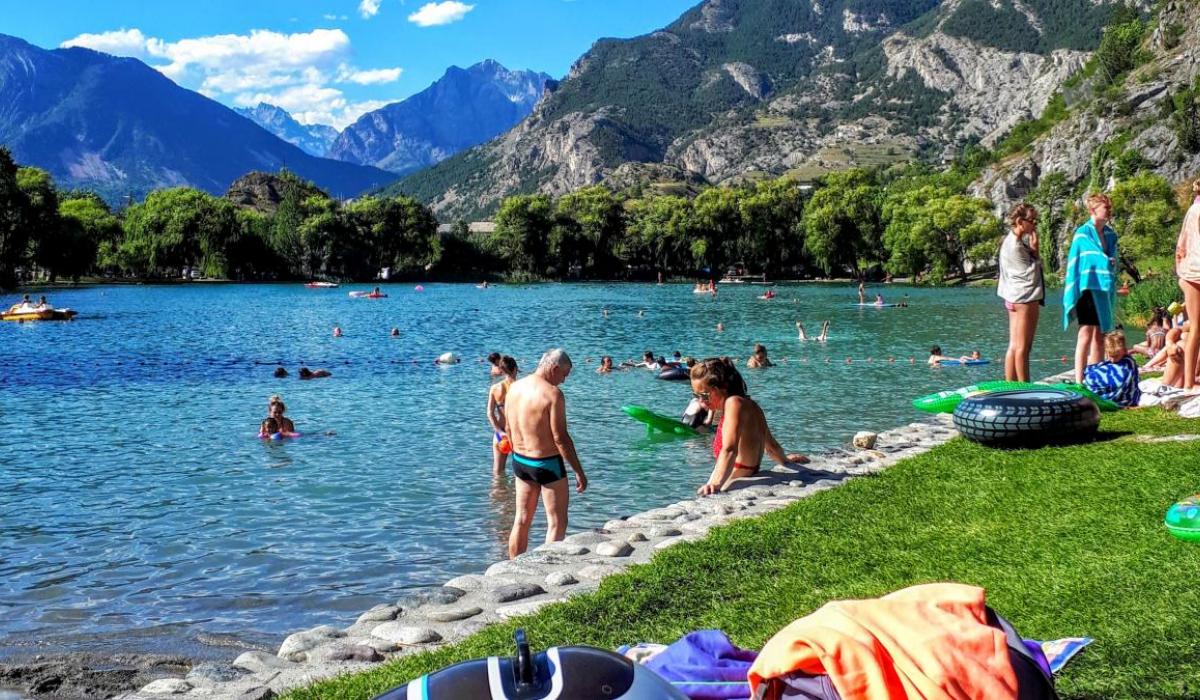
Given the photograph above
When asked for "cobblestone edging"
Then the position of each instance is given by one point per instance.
(545, 575)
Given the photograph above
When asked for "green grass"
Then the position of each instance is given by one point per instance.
(1068, 541)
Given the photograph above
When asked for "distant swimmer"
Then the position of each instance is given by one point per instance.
(641, 313)
(878, 300)
(862, 292)
(280, 373)
(604, 312)
(759, 359)
(395, 332)
(306, 373)
(936, 356)
(720, 327)
(447, 358)
(276, 422)
(824, 332)
(606, 365)
(800, 330)
(337, 331)
(493, 359)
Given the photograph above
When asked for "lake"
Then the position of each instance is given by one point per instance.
(138, 511)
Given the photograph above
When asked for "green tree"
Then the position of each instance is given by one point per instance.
(589, 223)
(660, 234)
(522, 231)
(48, 238)
(772, 214)
(842, 221)
(1118, 51)
(14, 229)
(250, 254)
(1146, 216)
(398, 232)
(87, 224)
(718, 226)
(933, 229)
(1051, 198)
(176, 228)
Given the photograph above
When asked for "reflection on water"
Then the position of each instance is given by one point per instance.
(137, 507)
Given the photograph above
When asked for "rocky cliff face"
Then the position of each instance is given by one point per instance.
(774, 86)
(1137, 114)
(465, 107)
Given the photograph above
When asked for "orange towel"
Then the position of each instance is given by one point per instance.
(930, 642)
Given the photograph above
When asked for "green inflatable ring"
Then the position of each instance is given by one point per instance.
(657, 421)
(947, 401)
(1183, 519)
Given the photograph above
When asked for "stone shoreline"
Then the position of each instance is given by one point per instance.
(548, 574)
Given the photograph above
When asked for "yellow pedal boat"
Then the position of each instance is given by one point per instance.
(18, 314)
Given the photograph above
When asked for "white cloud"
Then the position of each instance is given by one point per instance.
(368, 8)
(295, 71)
(122, 42)
(335, 18)
(435, 13)
(377, 76)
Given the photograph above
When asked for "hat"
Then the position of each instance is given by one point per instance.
(1174, 308)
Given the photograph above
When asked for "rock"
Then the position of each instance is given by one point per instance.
(346, 652)
(587, 538)
(564, 548)
(636, 537)
(469, 628)
(381, 613)
(470, 582)
(211, 673)
(560, 578)
(596, 572)
(452, 614)
(262, 692)
(865, 440)
(407, 635)
(515, 567)
(670, 542)
(660, 532)
(260, 661)
(614, 549)
(167, 686)
(621, 524)
(294, 647)
(507, 612)
(515, 591)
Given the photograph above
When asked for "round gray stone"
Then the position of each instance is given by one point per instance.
(406, 634)
(560, 578)
(452, 614)
(212, 673)
(346, 652)
(659, 532)
(564, 548)
(587, 538)
(636, 537)
(507, 612)
(294, 647)
(514, 591)
(167, 686)
(595, 572)
(259, 661)
(469, 582)
(614, 549)
(381, 613)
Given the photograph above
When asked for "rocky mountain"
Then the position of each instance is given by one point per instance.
(1153, 117)
(119, 127)
(463, 108)
(738, 87)
(313, 139)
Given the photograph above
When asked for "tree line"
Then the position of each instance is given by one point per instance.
(910, 221)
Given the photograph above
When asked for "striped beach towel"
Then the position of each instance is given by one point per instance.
(1091, 267)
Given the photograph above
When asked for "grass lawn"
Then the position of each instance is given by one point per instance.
(1068, 541)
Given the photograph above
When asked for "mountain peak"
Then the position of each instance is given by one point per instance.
(313, 139)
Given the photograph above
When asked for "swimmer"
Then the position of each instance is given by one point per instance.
(495, 412)
(824, 332)
(493, 359)
(280, 373)
(337, 331)
(878, 300)
(606, 366)
(447, 358)
(975, 355)
(800, 329)
(376, 292)
(936, 356)
(306, 373)
(641, 313)
(276, 422)
(759, 359)
(677, 357)
(742, 436)
(697, 416)
(483, 284)
(604, 312)
(720, 327)
(395, 332)
(862, 292)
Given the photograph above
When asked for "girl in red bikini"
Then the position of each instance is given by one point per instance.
(742, 434)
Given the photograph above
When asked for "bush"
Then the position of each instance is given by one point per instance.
(1145, 296)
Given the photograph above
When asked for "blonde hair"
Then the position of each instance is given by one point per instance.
(1114, 344)
(1196, 187)
(1022, 211)
(1096, 199)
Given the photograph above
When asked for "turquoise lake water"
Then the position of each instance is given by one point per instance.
(139, 512)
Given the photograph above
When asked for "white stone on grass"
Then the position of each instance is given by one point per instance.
(636, 537)
(865, 440)
(452, 614)
(560, 578)
(595, 572)
(564, 548)
(381, 613)
(294, 647)
(469, 582)
(260, 661)
(658, 532)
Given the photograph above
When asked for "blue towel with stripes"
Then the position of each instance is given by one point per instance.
(1115, 381)
(1092, 267)
(704, 665)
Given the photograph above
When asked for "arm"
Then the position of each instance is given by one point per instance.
(496, 424)
(775, 452)
(562, 439)
(730, 434)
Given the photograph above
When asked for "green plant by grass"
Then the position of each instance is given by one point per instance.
(1068, 541)
(1143, 297)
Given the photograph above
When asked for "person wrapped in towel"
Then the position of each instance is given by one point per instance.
(1116, 378)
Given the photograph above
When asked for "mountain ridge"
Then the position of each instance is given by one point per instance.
(313, 139)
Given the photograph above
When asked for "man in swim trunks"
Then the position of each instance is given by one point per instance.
(536, 416)
(742, 435)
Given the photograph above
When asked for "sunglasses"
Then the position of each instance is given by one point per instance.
(702, 395)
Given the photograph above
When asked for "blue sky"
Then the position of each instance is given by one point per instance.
(328, 61)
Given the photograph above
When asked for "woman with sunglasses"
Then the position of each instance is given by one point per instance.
(1022, 287)
(742, 434)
